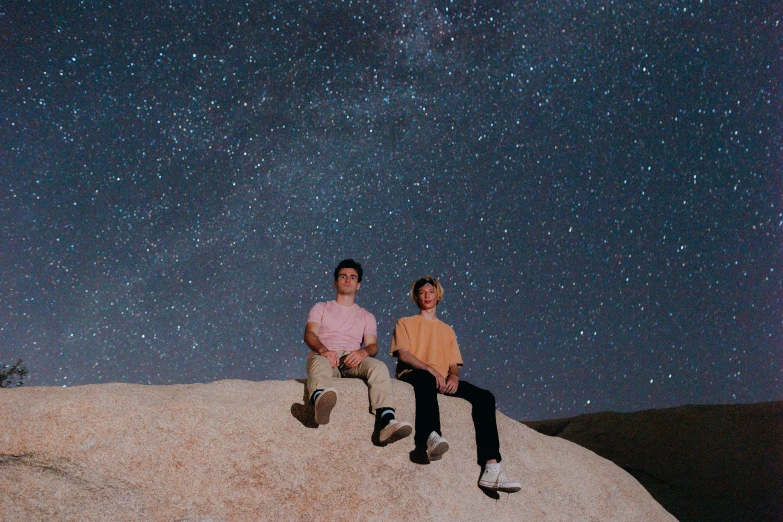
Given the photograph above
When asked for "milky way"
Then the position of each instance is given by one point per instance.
(597, 185)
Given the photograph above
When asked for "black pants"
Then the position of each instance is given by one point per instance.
(428, 413)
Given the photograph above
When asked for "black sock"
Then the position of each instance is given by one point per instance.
(383, 416)
(315, 395)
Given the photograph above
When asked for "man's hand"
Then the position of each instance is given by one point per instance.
(334, 359)
(440, 382)
(355, 358)
(452, 383)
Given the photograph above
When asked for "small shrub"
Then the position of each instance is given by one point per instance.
(12, 375)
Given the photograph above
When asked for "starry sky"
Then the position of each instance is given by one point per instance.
(598, 186)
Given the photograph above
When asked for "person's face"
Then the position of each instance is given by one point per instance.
(347, 282)
(428, 297)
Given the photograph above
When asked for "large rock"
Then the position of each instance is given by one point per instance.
(720, 463)
(238, 450)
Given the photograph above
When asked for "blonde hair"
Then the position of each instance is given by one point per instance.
(424, 281)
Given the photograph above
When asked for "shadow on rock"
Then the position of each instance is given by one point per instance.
(304, 412)
(419, 456)
(491, 493)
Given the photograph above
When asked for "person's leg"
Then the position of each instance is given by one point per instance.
(320, 374)
(376, 375)
(319, 387)
(427, 411)
(484, 421)
(487, 443)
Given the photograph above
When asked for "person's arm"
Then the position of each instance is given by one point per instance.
(314, 343)
(452, 381)
(411, 360)
(371, 345)
(355, 358)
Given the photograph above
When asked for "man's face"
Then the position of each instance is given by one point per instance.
(347, 282)
(428, 297)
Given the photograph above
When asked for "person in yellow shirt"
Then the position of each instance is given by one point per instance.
(429, 359)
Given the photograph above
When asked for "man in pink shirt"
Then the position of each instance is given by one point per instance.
(344, 340)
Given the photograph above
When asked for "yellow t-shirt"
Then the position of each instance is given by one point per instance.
(432, 342)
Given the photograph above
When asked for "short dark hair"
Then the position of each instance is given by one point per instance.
(349, 263)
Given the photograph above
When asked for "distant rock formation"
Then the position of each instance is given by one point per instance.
(702, 463)
(244, 451)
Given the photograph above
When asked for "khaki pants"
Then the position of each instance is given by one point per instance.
(372, 371)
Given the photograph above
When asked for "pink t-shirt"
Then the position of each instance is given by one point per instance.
(342, 327)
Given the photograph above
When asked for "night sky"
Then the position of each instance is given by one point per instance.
(598, 186)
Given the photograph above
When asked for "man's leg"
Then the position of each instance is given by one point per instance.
(492, 477)
(484, 420)
(320, 375)
(427, 411)
(376, 375)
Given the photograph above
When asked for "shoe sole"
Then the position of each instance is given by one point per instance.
(395, 432)
(324, 405)
(437, 452)
(493, 487)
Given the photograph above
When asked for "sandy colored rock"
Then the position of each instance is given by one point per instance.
(239, 450)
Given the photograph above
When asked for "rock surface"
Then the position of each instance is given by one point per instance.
(239, 450)
(702, 463)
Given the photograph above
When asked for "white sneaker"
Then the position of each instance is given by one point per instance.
(494, 479)
(324, 405)
(436, 446)
(395, 431)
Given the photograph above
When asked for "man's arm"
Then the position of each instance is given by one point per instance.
(411, 360)
(355, 358)
(371, 345)
(452, 381)
(314, 343)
